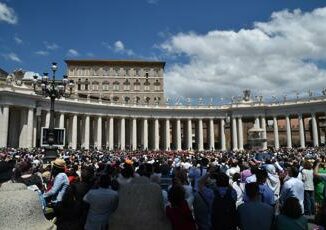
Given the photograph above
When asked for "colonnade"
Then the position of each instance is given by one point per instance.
(20, 127)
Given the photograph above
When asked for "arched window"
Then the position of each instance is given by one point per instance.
(116, 85)
(79, 84)
(95, 85)
(137, 85)
(137, 100)
(157, 85)
(147, 85)
(86, 84)
(127, 99)
(147, 99)
(126, 85)
(105, 85)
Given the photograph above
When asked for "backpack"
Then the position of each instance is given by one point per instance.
(223, 211)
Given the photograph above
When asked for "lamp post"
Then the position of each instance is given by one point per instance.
(53, 89)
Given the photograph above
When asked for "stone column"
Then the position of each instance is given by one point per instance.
(4, 122)
(189, 134)
(314, 130)
(276, 139)
(257, 122)
(111, 133)
(240, 133)
(156, 135)
(263, 126)
(47, 119)
(134, 134)
(234, 134)
(200, 135)
(35, 120)
(74, 132)
(288, 132)
(301, 131)
(178, 133)
(222, 132)
(23, 128)
(122, 134)
(211, 135)
(167, 135)
(87, 132)
(30, 126)
(62, 121)
(145, 134)
(99, 133)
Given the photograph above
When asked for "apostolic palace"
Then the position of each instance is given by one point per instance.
(121, 105)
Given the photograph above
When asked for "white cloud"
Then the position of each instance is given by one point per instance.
(51, 46)
(42, 53)
(280, 55)
(18, 40)
(72, 53)
(7, 14)
(119, 47)
(12, 57)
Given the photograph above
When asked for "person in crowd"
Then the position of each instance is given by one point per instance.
(273, 180)
(223, 214)
(255, 214)
(320, 190)
(126, 175)
(291, 216)
(293, 187)
(308, 180)
(102, 203)
(203, 201)
(166, 179)
(266, 193)
(252, 178)
(238, 186)
(198, 170)
(26, 174)
(178, 212)
(60, 183)
(233, 169)
(181, 177)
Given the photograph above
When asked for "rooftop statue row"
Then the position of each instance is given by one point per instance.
(23, 79)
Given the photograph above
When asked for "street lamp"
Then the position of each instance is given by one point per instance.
(53, 89)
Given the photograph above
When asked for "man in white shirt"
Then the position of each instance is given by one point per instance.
(293, 187)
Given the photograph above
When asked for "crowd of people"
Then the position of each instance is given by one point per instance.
(270, 189)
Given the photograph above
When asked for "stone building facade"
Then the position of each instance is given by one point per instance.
(119, 82)
(104, 124)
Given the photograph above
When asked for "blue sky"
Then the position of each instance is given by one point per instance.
(36, 32)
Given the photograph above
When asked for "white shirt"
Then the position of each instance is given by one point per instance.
(233, 170)
(239, 188)
(308, 179)
(293, 187)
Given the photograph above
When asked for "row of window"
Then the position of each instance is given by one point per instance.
(114, 71)
(115, 87)
(135, 100)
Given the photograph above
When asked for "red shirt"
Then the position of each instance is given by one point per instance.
(181, 217)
